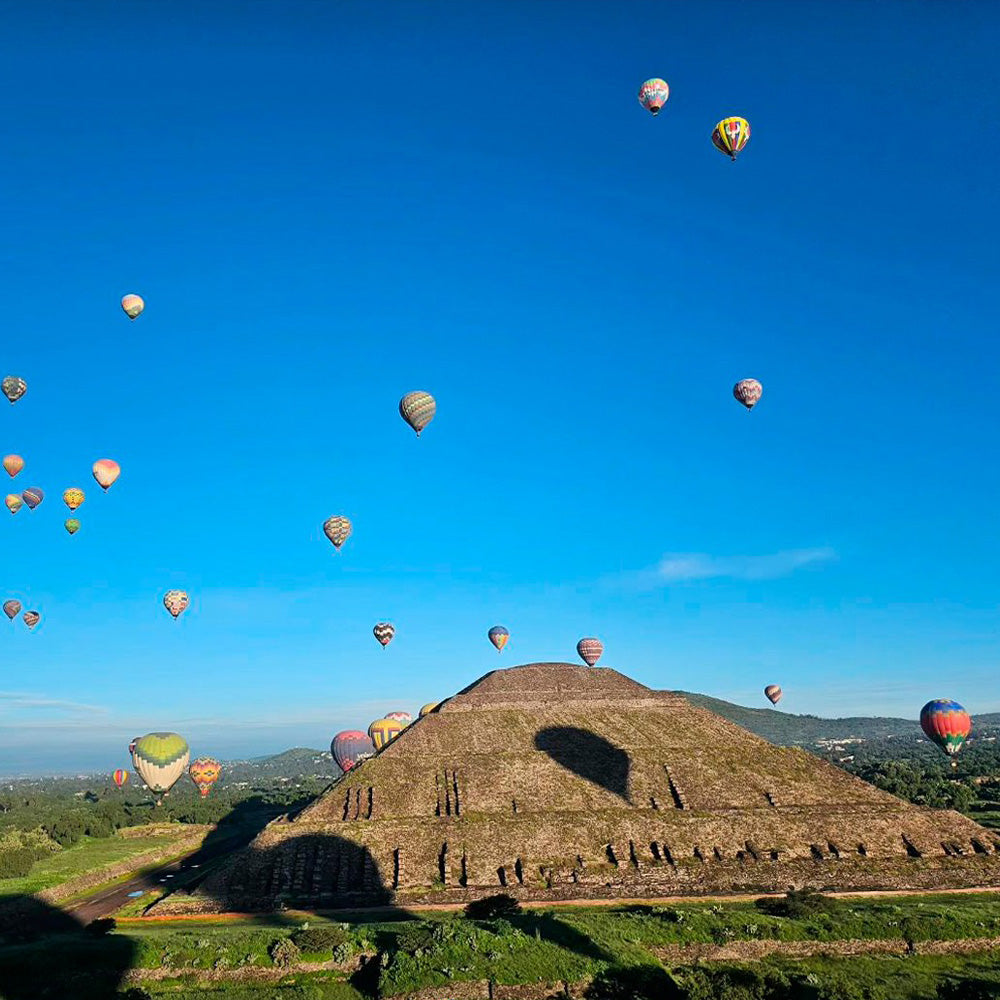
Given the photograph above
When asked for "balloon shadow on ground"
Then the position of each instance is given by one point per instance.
(48, 953)
(587, 755)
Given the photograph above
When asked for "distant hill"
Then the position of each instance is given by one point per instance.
(300, 762)
(808, 730)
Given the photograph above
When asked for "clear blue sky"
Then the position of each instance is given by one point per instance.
(326, 205)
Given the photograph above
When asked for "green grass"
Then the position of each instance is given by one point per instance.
(81, 859)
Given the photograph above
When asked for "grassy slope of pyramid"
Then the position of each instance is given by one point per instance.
(554, 781)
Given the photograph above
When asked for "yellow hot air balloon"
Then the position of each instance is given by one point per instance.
(13, 464)
(731, 135)
(428, 708)
(133, 305)
(106, 472)
(73, 497)
(383, 731)
(14, 502)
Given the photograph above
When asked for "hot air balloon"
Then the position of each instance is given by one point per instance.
(384, 731)
(131, 746)
(176, 601)
(417, 409)
(351, 747)
(14, 502)
(947, 724)
(384, 632)
(133, 305)
(748, 391)
(205, 772)
(337, 529)
(31, 618)
(72, 525)
(773, 693)
(590, 650)
(160, 759)
(498, 635)
(106, 472)
(120, 777)
(14, 388)
(653, 95)
(11, 608)
(428, 708)
(13, 464)
(402, 717)
(731, 135)
(73, 497)
(33, 497)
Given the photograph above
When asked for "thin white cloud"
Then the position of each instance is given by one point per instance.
(15, 699)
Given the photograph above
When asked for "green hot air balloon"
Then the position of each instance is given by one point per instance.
(72, 525)
(161, 759)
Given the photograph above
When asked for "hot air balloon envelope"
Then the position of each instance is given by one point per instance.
(14, 502)
(404, 717)
(204, 772)
(73, 497)
(653, 95)
(160, 759)
(133, 305)
(417, 409)
(106, 471)
(13, 464)
(384, 731)
(384, 632)
(945, 723)
(731, 135)
(498, 635)
(773, 693)
(72, 525)
(176, 601)
(31, 618)
(351, 747)
(428, 708)
(11, 608)
(120, 777)
(337, 529)
(590, 650)
(748, 391)
(33, 497)
(13, 387)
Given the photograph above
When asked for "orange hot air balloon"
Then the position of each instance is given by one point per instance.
(13, 464)
(106, 472)
(133, 305)
(205, 772)
(120, 777)
(14, 502)
(73, 497)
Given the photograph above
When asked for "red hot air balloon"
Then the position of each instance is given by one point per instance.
(351, 747)
(947, 724)
(748, 391)
(590, 650)
(120, 777)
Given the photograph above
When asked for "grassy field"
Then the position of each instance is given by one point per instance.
(81, 859)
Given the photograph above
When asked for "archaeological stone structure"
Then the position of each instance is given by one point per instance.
(552, 781)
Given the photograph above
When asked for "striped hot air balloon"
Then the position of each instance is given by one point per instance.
(417, 409)
(338, 529)
(947, 724)
(590, 650)
(498, 635)
(383, 731)
(351, 747)
(653, 95)
(133, 305)
(33, 497)
(748, 391)
(13, 387)
(384, 632)
(31, 618)
(12, 608)
(731, 135)
(13, 464)
(204, 772)
(160, 759)
(773, 693)
(106, 472)
(120, 777)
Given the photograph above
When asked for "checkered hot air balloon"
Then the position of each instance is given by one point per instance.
(417, 409)
(160, 759)
(947, 724)
(748, 391)
(384, 632)
(176, 602)
(338, 529)
(498, 635)
(13, 387)
(351, 747)
(653, 95)
(13, 464)
(590, 650)
(133, 305)
(731, 135)
(773, 693)
(204, 772)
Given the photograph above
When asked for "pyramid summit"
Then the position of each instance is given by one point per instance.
(554, 781)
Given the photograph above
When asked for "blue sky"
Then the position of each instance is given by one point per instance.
(326, 205)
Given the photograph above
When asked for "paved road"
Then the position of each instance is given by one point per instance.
(185, 872)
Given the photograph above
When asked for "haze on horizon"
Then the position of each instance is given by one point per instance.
(325, 206)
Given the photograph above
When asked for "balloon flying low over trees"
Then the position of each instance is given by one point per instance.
(160, 759)
(204, 772)
(947, 724)
(120, 777)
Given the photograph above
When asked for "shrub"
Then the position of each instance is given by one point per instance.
(320, 938)
(799, 904)
(16, 862)
(415, 938)
(283, 952)
(101, 926)
(968, 989)
(493, 907)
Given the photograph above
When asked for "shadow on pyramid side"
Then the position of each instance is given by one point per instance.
(552, 781)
